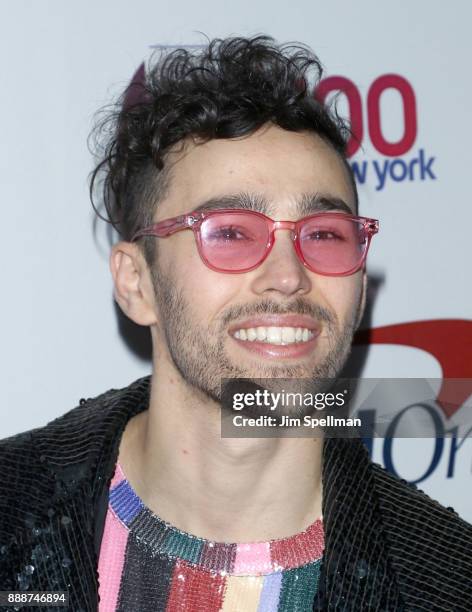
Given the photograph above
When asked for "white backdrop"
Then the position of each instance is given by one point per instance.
(60, 62)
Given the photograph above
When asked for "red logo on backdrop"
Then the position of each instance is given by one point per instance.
(448, 340)
(374, 124)
(384, 171)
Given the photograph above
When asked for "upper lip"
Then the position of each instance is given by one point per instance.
(288, 320)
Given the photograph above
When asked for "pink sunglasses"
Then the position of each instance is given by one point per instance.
(239, 240)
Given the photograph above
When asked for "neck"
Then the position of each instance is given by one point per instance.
(222, 489)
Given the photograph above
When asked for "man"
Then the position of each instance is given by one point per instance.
(133, 500)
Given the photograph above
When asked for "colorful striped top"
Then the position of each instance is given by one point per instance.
(146, 564)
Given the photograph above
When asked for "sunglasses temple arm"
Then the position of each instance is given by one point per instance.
(165, 228)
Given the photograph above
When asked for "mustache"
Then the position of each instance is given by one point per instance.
(296, 306)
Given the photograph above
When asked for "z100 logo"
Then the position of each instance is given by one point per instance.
(417, 167)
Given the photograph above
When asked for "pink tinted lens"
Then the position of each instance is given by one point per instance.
(333, 244)
(234, 241)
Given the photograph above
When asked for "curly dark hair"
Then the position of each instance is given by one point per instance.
(228, 89)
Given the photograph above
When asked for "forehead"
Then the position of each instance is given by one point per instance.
(280, 167)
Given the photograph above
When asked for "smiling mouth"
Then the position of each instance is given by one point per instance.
(279, 336)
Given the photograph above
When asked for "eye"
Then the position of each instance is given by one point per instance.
(323, 235)
(228, 234)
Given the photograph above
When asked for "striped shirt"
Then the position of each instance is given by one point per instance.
(146, 564)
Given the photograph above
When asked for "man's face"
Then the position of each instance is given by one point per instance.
(200, 310)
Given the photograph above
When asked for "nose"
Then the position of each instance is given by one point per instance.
(282, 271)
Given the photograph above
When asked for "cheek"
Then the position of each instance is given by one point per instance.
(178, 259)
(343, 294)
(206, 292)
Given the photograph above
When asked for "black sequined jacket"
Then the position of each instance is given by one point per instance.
(388, 546)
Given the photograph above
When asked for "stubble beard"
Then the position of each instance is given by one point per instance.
(200, 357)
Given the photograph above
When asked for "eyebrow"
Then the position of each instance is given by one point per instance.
(246, 201)
(308, 204)
(317, 202)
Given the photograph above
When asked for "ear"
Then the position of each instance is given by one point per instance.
(133, 286)
(362, 303)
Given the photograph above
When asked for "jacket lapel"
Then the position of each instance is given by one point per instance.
(355, 573)
(78, 451)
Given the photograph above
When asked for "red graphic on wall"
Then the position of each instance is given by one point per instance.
(448, 340)
(385, 82)
(136, 92)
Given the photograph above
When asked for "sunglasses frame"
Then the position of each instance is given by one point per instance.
(194, 220)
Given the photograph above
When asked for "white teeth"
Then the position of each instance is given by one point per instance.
(274, 335)
(251, 334)
(288, 334)
(261, 333)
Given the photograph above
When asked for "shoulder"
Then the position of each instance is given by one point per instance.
(429, 545)
(408, 504)
(17, 459)
(88, 415)
(19, 484)
(47, 463)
